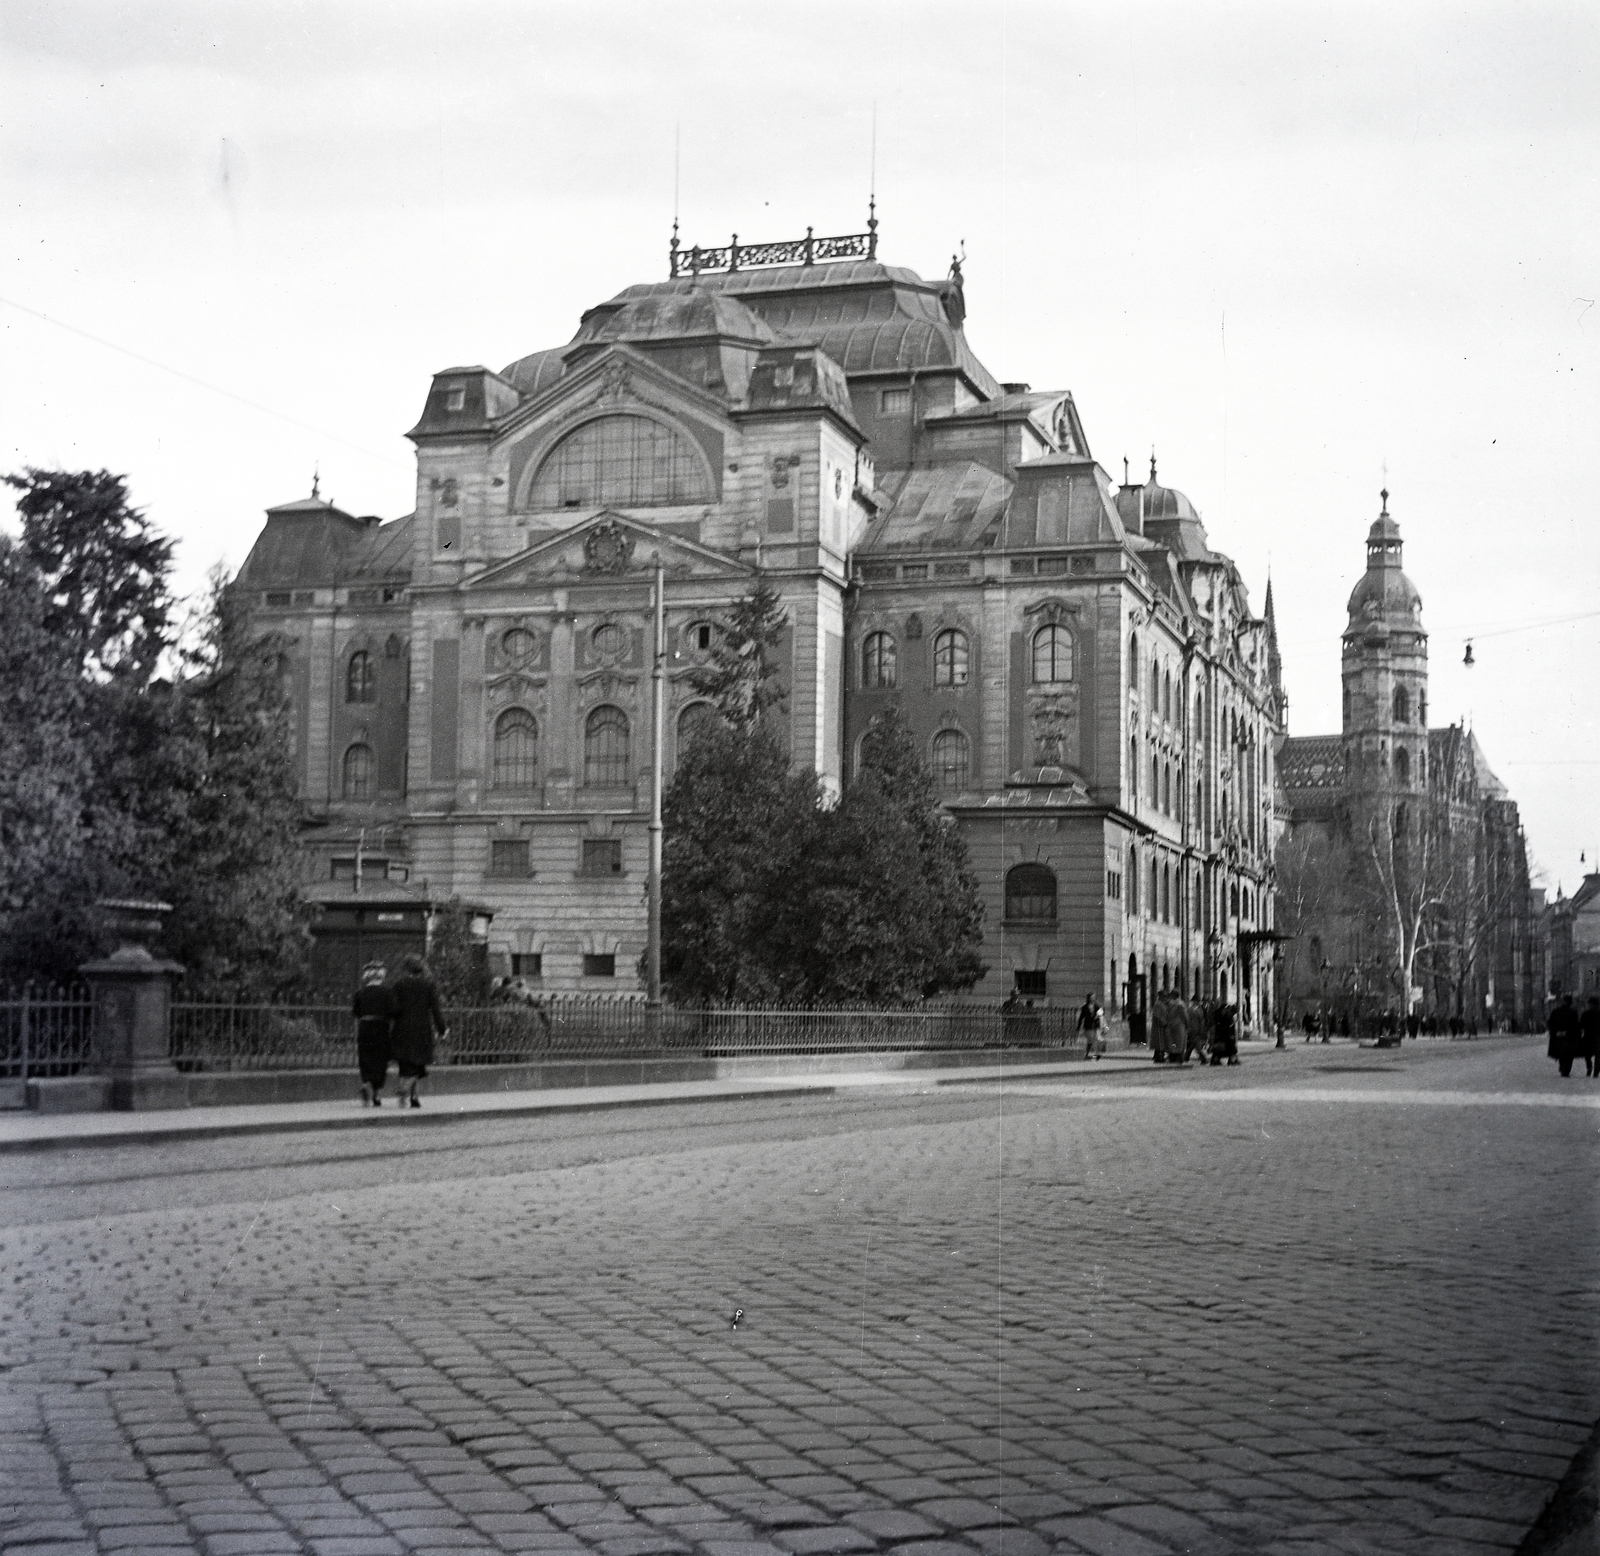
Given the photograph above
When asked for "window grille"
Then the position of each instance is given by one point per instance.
(605, 747)
(950, 760)
(509, 856)
(602, 856)
(516, 750)
(623, 461)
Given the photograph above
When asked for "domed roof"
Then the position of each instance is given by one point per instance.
(1383, 592)
(679, 316)
(1153, 502)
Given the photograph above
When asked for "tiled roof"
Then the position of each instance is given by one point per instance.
(1311, 762)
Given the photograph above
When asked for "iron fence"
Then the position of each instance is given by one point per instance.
(45, 1032)
(574, 1027)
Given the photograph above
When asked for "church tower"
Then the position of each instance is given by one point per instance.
(1385, 670)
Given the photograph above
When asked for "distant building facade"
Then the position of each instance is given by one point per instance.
(1415, 815)
(1570, 928)
(470, 683)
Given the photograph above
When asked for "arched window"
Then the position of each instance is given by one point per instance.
(1402, 706)
(1133, 767)
(1052, 654)
(620, 461)
(1166, 894)
(1133, 663)
(516, 750)
(1155, 886)
(1166, 695)
(878, 660)
(360, 679)
(1233, 900)
(1199, 805)
(1402, 821)
(605, 747)
(950, 658)
(358, 772)
(1155, 685)
(1402, 765)
(950, 759)
(1155, 780)
(1200, 718)
(1030, 895)
(1133, 879)
(695, 720)
(1166, 787)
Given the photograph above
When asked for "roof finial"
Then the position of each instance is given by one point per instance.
(316, 476)
(1152, 464)
(872, 189)
(1384, 494)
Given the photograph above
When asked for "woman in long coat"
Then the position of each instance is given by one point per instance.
(418, 1018)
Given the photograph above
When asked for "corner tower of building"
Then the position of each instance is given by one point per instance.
(1385, 671)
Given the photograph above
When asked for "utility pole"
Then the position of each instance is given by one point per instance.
(657, 719)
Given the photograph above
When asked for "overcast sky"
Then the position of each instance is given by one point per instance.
(1299, 250)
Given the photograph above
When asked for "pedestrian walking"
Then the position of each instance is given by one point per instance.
(374, 1009)
(1589, 1036)
(1225, 1042)
(1092, 1023)
(418, 1019)
(1194, 1027)
(1565, 1036)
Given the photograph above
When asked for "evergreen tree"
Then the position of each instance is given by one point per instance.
(738, 828)
(894, 905)
(742, 675)
(459, 962)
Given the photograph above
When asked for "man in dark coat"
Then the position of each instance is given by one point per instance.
(1589, 1036)
(419, 1017)
(1564, 1034)
(374, 1010)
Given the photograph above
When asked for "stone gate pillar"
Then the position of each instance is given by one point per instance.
(132, 1011)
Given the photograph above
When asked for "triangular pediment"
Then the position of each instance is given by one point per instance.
(615, 378)
(604, 547)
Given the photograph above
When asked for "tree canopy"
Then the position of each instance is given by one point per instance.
(119, 780)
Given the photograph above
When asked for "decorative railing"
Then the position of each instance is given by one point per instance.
(218, 1037)
(736, 256)
(45, 1032)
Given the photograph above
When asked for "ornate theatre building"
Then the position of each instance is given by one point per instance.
(471, 682)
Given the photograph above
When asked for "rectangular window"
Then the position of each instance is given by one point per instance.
(509, 856)
(1022, 564)
(280, 598)
(952, 569)
(919, 570)
(527, 964)
(1114, 884)
(373, 868)
(1034, 984)
(455, 399)
(599, 966)
(602, 856)
(895, 402)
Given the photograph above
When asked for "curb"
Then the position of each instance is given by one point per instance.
(1570, 1523)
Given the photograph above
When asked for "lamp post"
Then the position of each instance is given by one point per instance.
(653, 884)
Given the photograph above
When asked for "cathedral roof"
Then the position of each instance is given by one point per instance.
(1311, 762)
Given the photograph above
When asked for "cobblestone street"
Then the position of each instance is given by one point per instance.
(1335, 1300)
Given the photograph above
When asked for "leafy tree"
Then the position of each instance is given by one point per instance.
(895, 906)
(103, 567)
(47, 872)
(459, 962)
(738, 826)
(232, 867)
(742, 675)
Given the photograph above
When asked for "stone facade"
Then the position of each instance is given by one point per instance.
(471, 682)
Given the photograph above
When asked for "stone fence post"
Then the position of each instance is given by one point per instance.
(133, 1011)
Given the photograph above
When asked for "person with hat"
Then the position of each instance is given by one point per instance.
(375, 1008)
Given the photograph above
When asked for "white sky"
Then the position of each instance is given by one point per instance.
(1293, 247)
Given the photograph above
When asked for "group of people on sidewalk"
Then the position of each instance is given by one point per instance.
(1575, 1034)
(1180, 1027)
(396, 1022)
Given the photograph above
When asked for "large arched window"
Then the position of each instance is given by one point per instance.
(358, 772)
(1155, 780)
(1402, 706)
(360, 679)
(1133, 663)
(1155, 886)
(1402, 765)
(1155, 685)
(1052, 654)
(605, 747)
(1030, 895)
(1166, 894)
(1166, 787)
(950, 760)
(516, 750)
(1133, 767)
(950, 657)
(1133, 879)
(1166, 695)
(878, 660)
(620, 461)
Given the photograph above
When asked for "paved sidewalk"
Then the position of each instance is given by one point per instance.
(31, 1131)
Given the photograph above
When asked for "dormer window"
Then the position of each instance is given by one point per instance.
(455, 399)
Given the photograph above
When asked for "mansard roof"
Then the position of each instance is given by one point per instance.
(948, 508)
(309, 543)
